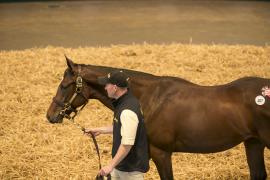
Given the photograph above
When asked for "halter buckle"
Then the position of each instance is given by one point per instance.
(79, 84)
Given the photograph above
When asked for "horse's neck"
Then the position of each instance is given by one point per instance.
(95, 90)
(139, 83)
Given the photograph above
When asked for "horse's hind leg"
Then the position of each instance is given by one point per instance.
(255, 158)
(163, 162)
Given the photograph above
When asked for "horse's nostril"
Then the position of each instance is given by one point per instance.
(51, 119)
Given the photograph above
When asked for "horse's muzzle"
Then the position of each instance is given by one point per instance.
(55, 119)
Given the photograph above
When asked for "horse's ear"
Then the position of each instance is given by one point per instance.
(70, 63)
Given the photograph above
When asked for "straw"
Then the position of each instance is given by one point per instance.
(32, 148)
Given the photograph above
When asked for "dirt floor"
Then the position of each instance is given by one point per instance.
(95, 23)
(32, 148)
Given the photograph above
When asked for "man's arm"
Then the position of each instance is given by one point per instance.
(122, 152)
(129, 122)
(100, 130)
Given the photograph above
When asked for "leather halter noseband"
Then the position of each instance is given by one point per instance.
(66, 106)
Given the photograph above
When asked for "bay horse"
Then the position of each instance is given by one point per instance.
(181, 116)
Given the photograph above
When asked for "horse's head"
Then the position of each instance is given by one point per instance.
(70, 95)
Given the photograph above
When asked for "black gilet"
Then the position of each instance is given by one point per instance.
(138, 158)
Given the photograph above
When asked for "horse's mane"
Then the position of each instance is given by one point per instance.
(107, 69)
(134, 73)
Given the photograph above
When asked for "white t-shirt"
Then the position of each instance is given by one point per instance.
(129, 121)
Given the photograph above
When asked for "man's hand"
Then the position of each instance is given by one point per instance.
(100, 130)
(122, 152)
(95, 131)
(105, 170)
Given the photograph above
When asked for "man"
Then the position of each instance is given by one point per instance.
(130, 149)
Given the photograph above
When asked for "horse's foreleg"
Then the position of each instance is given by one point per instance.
(255, 158)
(163, 162)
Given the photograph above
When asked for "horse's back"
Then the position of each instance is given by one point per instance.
(190, 113)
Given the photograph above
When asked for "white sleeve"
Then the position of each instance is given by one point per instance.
(129, 121)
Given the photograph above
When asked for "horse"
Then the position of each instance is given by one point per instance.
(180, 116)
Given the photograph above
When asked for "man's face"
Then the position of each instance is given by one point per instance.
(111, 90)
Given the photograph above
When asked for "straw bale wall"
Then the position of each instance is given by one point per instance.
(32, 148)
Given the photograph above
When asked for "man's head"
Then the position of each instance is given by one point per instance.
(116, 83)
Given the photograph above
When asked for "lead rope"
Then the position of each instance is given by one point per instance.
(93, 137)
(96, 146)
(78, 90)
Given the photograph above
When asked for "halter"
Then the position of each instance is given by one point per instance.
(66, 106)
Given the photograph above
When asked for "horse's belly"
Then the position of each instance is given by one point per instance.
(207, 145)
